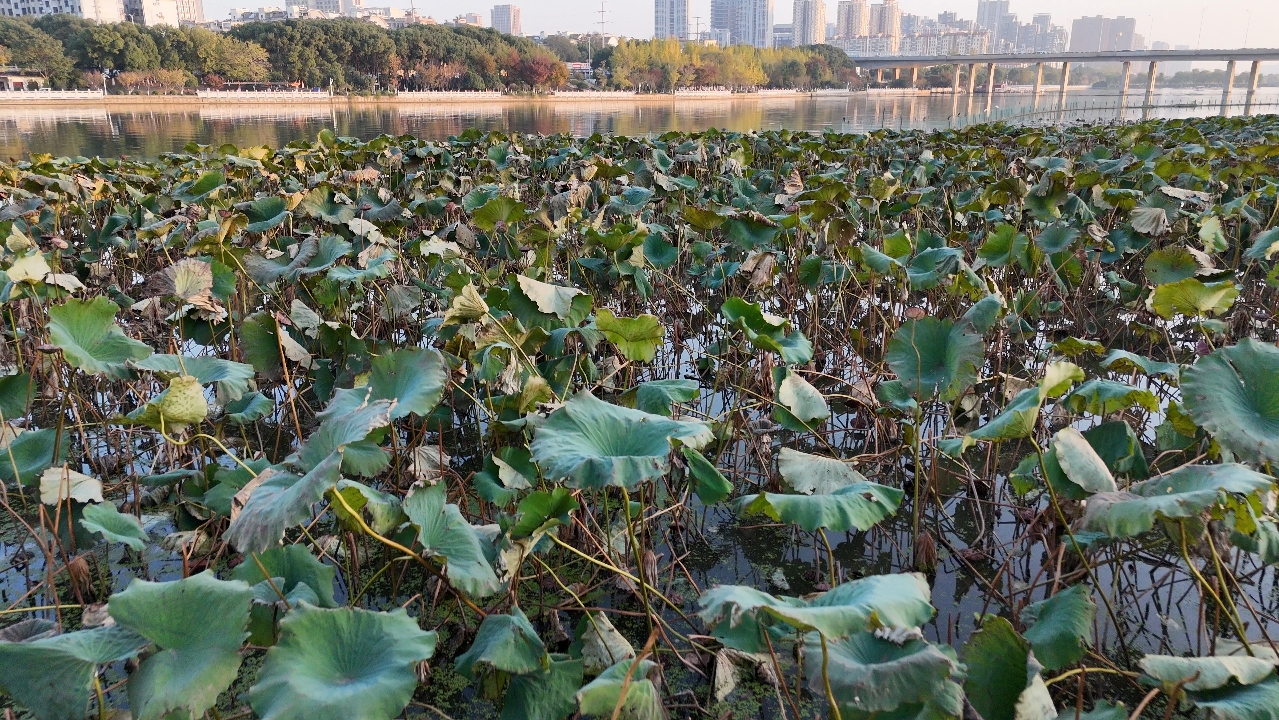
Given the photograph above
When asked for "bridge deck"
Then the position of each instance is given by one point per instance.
(902, 61)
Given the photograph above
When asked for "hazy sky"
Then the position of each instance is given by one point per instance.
(1214, 24)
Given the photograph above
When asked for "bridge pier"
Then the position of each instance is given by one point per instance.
(1039, 84)
(954, 93)
(1065, 83)
(914, 77)
(1150, 89)
(1252, 87)
(1225, 92)
(990, 89)
(1123, 92)
(972, 86)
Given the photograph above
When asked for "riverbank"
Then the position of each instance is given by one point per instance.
(214, 98)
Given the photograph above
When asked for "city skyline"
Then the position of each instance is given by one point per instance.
(1225, 23)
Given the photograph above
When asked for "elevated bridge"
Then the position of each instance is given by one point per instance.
(988, 63)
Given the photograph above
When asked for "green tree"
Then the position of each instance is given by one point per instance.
(33, 49)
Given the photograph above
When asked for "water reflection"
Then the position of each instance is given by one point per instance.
(149, 130)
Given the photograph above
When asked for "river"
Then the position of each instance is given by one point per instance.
(147, 130)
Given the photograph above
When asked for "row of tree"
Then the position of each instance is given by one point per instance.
(362, 57)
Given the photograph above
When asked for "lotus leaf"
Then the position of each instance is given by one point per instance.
(91, 340)
(505, 643)
(197, 625)
(1233, 393)
(593, 444)
(637, 338)
(856, 507)
(1183, 493)
(1061, 627)
(549, 695)
(934, 357)
(295, 567)
(873, 675)
(814, 474)
(797, 404)
(1003, 676)
(768, 332)
(275, 501)
(443, 532)
(658, 396)
(114, 525)
(232, 377)
(53, 676)
(603, 695)
(342, 663)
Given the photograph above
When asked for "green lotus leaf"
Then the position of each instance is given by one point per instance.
(1106, 711)
(444, 533)
(506, 474)
(594, 444)
(658, 396)
(194, 191)
(600, 697)
(1124, 361)
(768, 332)
(373, 207)
(899, 601)
(321, 204)
(550, 299)
(265, 213)
(1103, 397)
(248, 409)
(1263, 541)
(705, 480)
(549, 695)
(1080, 463)
(1016, 420)
(505, 643)
(1003, 676)
(703, 219)
(750, 232)
(296, 566)
(1118, 445)
(797, 405)
(413, 378)
(599, 644)
(857, 507)
(985, 312)
(1074, 347)
(1233, 393)
(814, 474)
(542, 510)
(501, 209)
(277, 501)
(53, 676)
(1056, 238)
(1061, 627)
(872, 675)
(197, 625)
(1257, 701)
(1004, 246)
(30, 454)
(342, 428)
(935, 357)
(1264, 245)
(933, 265)
(637, 338)
(1193, 298)
(114, 525)
(1183, 493)
(1170, 265)
(91, 340)
(341, 664)
(232, 377)
(1208, 673)
(381, 511)
(16, 392)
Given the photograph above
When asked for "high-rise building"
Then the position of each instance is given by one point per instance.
(749, 22)
(506, 19)
(852, 19)
(990, 13)
(1097, 33)
(670, 19)
(190, 12)
(103, 11)
(784, 35)
(152, 12)
(809, 23)
(886, 19)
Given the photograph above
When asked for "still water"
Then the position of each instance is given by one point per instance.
(149, 130)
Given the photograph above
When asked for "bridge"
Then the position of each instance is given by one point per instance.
(1127, 57)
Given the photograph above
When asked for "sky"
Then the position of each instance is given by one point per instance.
(1197, 23)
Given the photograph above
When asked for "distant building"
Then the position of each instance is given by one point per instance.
(104, 11)
(808, 24)
(472, 19)
(852, 19)
(1097, 33)
(506, 19)
(670, 19)
(886, 19)
(1170, 69)
(190, 12)
(783, 35)
(717, 36)
(152, 12)
(332, 7)
(990, 13)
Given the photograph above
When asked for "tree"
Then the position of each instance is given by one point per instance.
(33, 49)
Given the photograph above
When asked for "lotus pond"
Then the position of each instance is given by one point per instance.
(965, 424)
